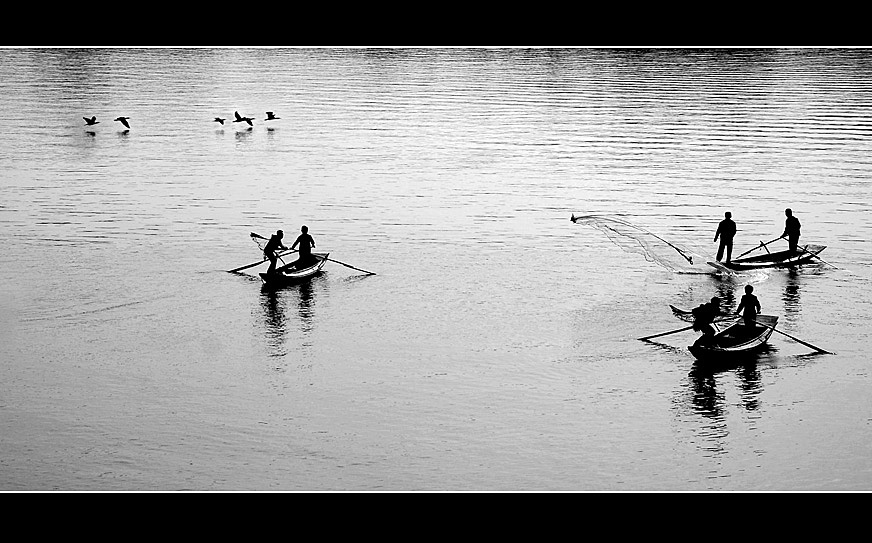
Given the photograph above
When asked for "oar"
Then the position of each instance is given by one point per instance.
(805, 250)
(350, 266)
(758, 247)
(666, 333)
(809, 345)
(260, 262)
(330, 259)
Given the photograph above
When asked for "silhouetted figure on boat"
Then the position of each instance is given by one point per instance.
(749, 307)
(269, 250)
(270, 116)
(123, 120)
(92, 121)
(219, 120)
(726, 231)
(306, 243)
(791, 230)
(239, 119)
(704, 315)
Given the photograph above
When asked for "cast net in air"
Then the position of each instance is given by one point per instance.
(631, 238)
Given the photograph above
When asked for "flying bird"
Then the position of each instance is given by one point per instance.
(270, 116)
(123, 121)
(219, 120)
(240, 119)
(92, 121)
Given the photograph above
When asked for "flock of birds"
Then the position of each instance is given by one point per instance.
(270, 116)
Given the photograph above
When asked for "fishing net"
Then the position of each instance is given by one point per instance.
(631, 238)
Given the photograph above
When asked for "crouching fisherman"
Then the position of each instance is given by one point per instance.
(704, 315)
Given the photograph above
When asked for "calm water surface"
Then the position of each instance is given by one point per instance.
(495, 348)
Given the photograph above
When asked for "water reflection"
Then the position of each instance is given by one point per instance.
(707, 389)
(791, 296)
(276, 303)
(305, 306)
(703, 384)
(242, 135)
(703, 378)
(276, 331)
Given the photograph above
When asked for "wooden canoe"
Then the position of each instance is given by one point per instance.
(781, 259)
(736, 341)
(284, 276)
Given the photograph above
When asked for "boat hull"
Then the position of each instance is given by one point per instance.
(283, 278)
(736, 342)
(781, 259)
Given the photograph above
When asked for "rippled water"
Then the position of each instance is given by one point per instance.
(495, 348)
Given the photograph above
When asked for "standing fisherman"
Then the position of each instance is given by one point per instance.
(306, 243)
(726, 231)
(791, 230)
(269, 251)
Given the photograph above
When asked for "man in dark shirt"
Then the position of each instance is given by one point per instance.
(726, 231)
(306, 243)
(269, 251)
(791, 230)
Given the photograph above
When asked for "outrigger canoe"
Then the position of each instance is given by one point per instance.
(284, 276)
(734, 342)
(781, 259)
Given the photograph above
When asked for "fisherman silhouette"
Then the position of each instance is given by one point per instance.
(751, 306)
(726, 231)
(306, 243)
(704, 315)
(269, 251)
(791, 230)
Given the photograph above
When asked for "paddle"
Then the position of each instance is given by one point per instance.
(330, 259)
(260, 262)
(758, 247)
(809, 345)
(805, 250)
(350, 266)
(646, 338)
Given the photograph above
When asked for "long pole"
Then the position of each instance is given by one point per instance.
(758, 247)
(254, 235)
(646, 338)
(352, 267)
(809, 345)
(813, 255)
(240, 268)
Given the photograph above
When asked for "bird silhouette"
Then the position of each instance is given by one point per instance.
(219, 120)
(123, 121)
(270, 116)
(92, 121)
(240, 119)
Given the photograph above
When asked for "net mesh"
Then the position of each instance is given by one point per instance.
(673, 256)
